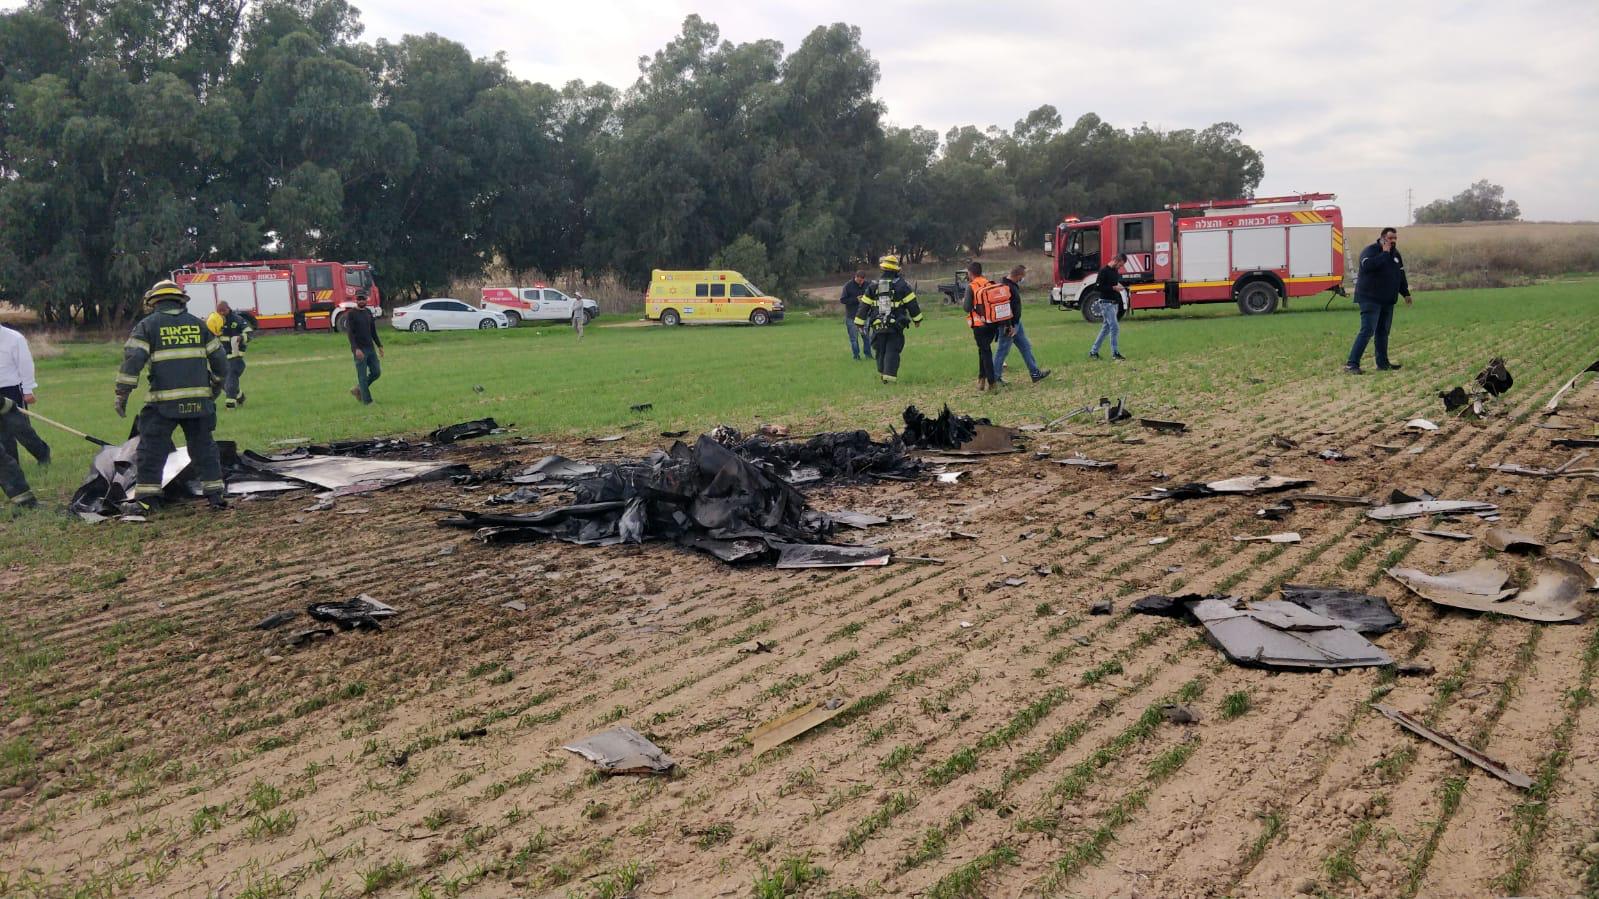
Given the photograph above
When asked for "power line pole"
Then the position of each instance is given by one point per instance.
(1410, 199)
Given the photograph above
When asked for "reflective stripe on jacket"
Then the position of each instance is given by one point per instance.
(183, 358)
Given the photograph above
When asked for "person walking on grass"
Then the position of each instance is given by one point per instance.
(983, 331)
(580, 316)
(1015, 334)
(367, 348)
(1378, 287)
(859, 337)
(17, 383)
(1107, 288)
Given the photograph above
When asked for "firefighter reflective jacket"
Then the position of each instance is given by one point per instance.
(902, 308)
(185, 362)
(233, 328)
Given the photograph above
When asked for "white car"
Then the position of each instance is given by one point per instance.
(445, 314)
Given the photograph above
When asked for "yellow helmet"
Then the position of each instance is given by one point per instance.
(163, 290)
(889, 263)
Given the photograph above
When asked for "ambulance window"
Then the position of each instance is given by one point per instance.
(319, 277)
(718, 290)
(739, 290)
(1135, 236)
(702, 290)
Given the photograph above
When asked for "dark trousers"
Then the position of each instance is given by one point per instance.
(367, 372)
(230, 383)
(889, 343)
(1376, 320)
(16, 428)
(984, 335)
(155, 444)
(12, 481)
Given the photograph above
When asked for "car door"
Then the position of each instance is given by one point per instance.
(465, 315)
(437, 314)
(558, 304)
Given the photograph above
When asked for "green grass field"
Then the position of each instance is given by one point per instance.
(798, 372)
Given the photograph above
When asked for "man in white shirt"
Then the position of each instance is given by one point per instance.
(17, 384)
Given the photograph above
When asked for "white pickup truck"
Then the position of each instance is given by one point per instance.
(535, 304)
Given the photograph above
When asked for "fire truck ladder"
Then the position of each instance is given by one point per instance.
(1246, 202)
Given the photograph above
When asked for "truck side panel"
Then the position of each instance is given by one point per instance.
(1307, 250)
(1259, 248)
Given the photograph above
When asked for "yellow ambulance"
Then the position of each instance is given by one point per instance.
(710, 296)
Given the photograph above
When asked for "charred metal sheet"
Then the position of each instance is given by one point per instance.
(1080, 461)
(1555, 596)
(553, 468)
(1441, 534)
(1283, 635)
(1494, 379)
(623, 750)
(858, 520)
(1553, 405)
(947, 431)
(1248, 484)
(729, 551)
(1400, 511)
(1575, 442)
(1180, 607)
(1165, 427)
(336, 472)
(823, 555)
(1285, 537)
(1357, 611)
(466, 430)
(362, 612)
(1496, 768)
(1455, 399)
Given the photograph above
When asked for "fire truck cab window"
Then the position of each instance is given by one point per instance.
(702, 290)
(319, 277)
(1082, 253)
(718, 291)
(1135, 236)
(358, 278)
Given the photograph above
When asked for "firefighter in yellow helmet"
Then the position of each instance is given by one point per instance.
(889, 307)
(187, 365)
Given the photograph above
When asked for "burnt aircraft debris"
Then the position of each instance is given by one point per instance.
(1403, 510)
(623, 750)
(1248, 484)
(1554, 596)
(360, 613)
(1492, 766)
(1360, 612)
(466, 430)
(1283, 635)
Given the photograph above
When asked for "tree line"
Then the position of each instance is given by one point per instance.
(139, 135)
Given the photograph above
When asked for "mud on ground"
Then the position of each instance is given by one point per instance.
(998, 740)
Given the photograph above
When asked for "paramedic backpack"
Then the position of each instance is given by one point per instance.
(992, 304)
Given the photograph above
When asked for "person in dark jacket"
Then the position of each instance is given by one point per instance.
(1378, 287)
(983, 331)
(1107, 286)
(859, 338)
(234, 331)
(1015, 335)
(890, 308)
(367, 348)
(187, 365)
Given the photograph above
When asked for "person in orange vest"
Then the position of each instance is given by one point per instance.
(984, 332)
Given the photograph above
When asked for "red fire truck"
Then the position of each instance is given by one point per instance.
(303, 294)
(1254, 252)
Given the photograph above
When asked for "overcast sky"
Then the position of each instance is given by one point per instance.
(1362, 99)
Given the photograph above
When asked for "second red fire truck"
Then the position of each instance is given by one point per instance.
(303, 294)
(1255, 252)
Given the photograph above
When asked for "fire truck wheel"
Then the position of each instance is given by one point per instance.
(1257, 298)
(512, 319)
(670, 318)
(419, 325)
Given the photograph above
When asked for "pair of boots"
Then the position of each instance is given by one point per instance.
(147, 507)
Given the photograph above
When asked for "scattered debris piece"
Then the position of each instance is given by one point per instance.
(1156, 541)
(1360, 612)
(1575, 442)
(948, 431)
(1434, 532)
(682, 433)
(1101, 607)
(1081, 461)
(1454, 399)
(623, 750)
(1247, 484)
(348, 474)
(613, 438)
(362, 612)
(949, 477)
(641, 407)
(825, 555)
(1387, 447)
(1553, 405)
(1399, 511)
(755, 646)
(1286, 537)
(515, 605)
(966, 624)
(1176, 713)
(1281, 442)
(1165, 427)
(465, 430)
(1494, 379)
(919, 560)
(1275, 512)
(961, 535)
(475, 733)
(1558, 586)
(1497, 769)
(786, 727)
(1420, 424)
(1415, 669)
(858, 520)
(1275, 634)
(1330, 498)
(1174, 606)
(1014, 581)
(1332, 455)
(276, 619)
(1508, 541)
(1564, 470)
(299, 639)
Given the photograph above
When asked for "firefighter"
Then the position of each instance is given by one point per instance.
(889, 307)
(187, 367)
(12, 481)
(234, 330)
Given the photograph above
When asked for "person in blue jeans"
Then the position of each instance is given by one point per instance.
(859, 337)
(1015, 334)
(1378, 286)
(1107, 285)
(367, 348)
